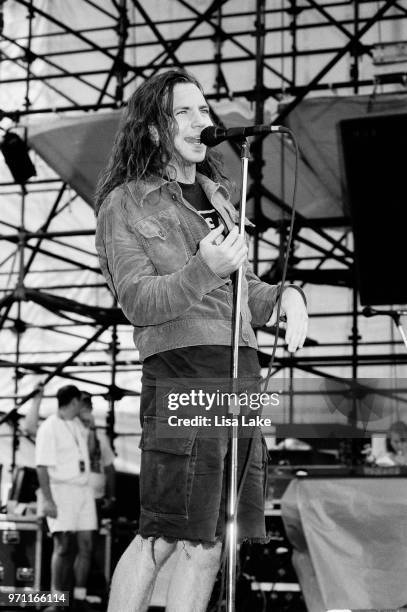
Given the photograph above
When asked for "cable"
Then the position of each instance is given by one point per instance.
(286, 258)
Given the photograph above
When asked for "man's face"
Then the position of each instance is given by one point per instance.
(398, 443)
(76, 407)
(85, 411)
(85, 415)
(191, 114)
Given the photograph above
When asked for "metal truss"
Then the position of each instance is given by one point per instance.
(130, 26)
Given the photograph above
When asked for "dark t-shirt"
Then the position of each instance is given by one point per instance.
(196, 196)
(214, 361)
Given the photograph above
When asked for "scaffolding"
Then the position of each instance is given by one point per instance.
(290, 50)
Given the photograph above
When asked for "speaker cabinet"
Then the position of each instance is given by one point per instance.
(21, 553)
(375, 173)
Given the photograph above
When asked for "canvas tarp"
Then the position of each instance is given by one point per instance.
(77, 148)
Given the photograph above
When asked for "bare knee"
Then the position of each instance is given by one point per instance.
(158, 550)
(64, 544)
(204, 556)
(153, 551)
(84, 541)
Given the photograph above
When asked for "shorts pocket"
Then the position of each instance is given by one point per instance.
(167, 469)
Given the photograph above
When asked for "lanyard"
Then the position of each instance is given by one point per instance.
(72, 432)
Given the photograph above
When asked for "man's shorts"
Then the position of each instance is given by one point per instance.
(183, 481)
(76, 508)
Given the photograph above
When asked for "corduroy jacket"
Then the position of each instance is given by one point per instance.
(147, 239)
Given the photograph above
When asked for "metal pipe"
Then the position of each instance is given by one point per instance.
(257, 146)
(345, 49)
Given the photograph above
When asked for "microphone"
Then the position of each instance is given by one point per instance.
(212, 135)
(370, 312)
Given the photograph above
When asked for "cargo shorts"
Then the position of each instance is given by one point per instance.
(183, 480)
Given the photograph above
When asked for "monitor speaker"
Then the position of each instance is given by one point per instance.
(24, 485)
(127, 496)
(375, 179)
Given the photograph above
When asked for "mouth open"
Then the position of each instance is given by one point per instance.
(193, 139)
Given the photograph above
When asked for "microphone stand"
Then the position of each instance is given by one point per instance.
(396, 318)
(394, 314)
(231, 527)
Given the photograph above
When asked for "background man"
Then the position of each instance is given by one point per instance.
(63, 469)
(397, 437)
(102, 472)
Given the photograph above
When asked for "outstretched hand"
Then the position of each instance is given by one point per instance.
(39, 389)
(293, 306)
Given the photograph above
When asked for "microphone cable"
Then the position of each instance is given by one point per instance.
(266, 379)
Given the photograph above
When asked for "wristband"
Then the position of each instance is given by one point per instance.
(299, 290)
(283, 317)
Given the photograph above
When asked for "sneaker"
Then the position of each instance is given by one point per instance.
(80, 605)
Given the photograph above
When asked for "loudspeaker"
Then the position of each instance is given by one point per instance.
(127, 496)
(25, 485)
(16, 156)
(22, 553)
(373, 161)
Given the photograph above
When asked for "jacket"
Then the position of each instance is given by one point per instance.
(147, 239)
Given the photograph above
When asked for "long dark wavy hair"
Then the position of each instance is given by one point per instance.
(139, 151)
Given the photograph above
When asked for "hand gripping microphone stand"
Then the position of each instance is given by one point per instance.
(231, 528)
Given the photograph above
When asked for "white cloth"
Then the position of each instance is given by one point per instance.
(60, 446)
(97, 480)
(76, 508)
(351, 534)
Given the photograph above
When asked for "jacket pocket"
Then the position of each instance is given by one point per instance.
(163, 240)
(167, 468)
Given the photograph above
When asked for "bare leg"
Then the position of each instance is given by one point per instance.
(135, 574)
(193, 578)
(83, 558)
(62, 560)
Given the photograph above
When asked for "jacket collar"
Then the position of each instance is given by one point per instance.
(141, 190)
(210, 187)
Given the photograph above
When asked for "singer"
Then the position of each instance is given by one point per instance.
(168, 244)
